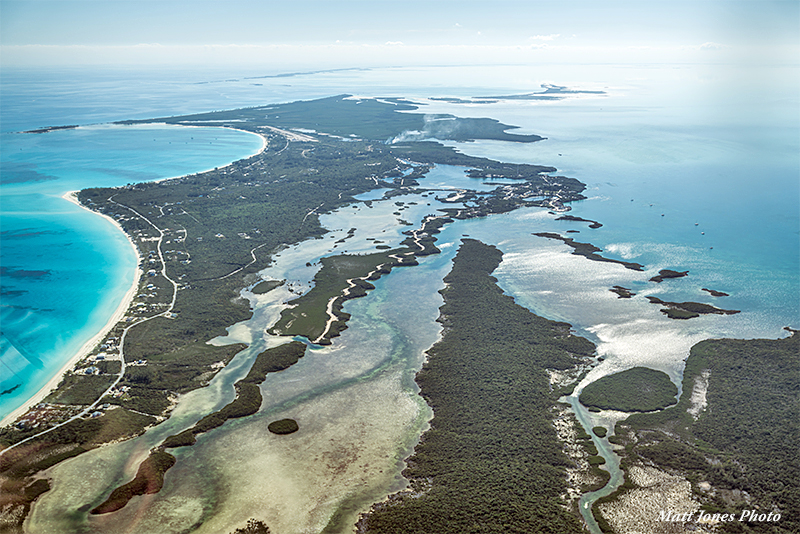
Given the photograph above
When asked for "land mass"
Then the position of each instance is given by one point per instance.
(202, 238)
(729, 445)
(688, 310)
(663, 274)
(492, 439)
(589, 251)
(639, 389)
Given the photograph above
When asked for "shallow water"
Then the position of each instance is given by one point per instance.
(676, 138)
(367, 374)
(65, 270)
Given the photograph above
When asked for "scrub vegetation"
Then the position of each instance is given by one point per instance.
(491, 461)
(739, 451)
(204, 237)
(283, 426)
(635, 390)
(589, 251)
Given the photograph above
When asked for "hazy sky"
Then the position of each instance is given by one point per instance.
(379, 32)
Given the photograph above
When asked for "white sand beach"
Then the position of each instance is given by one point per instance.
(87, 347)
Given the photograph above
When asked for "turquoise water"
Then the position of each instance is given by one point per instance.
(711, 151)
(65, 270)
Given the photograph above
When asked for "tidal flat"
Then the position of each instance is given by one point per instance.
(389, 331)
(364, 382)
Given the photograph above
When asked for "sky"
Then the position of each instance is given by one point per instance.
(347, 33)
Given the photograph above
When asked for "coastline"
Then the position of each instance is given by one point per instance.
(124, 305)
(264, 146)
(119, 313)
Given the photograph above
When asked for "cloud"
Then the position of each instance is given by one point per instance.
(394, 43)
(544, 37)
(711, 46)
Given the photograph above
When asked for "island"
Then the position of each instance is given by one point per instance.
(203, 238)
(664, 274)
(492, 433)
(589, 251)
(715, 293)
(639, 389)
(688, 310)
(707, 456)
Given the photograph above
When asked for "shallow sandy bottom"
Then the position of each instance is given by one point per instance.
(346, 450)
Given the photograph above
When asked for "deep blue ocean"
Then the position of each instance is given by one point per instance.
(690, 167)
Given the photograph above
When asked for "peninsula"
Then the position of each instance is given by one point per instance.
(202, 238)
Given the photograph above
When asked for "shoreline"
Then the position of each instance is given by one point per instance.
(86, 348)
(124, 305)
(264, 146)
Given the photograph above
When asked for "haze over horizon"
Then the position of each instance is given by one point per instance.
(243, 33)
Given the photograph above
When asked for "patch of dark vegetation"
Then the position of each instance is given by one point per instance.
(664, 274)
(744, 444)
(283, 427)
(238, 216)
(600, 431)
(634, 390)
(589, 251)
(52, 129)
(266, 286)
(715, 293)
(622, 292)
(492, 438)
(253, 526)
(593, 224)
(274, 360)
(688, 310)
(248, 395)
(149, 479)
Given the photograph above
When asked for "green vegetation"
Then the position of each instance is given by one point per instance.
(77, 389)
(149, 479)
(589, 251)
(309, 315)
(688, 310)
(283, 426)
(635, 390)
(663, 274)
(212, 232)
(622, 292)
(253, 527)
(746, 438)
(266, 286)
(274, 360)
(179, 370)
(491, 461)
(600, 431)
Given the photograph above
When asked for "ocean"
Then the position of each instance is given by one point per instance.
(688, 167)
